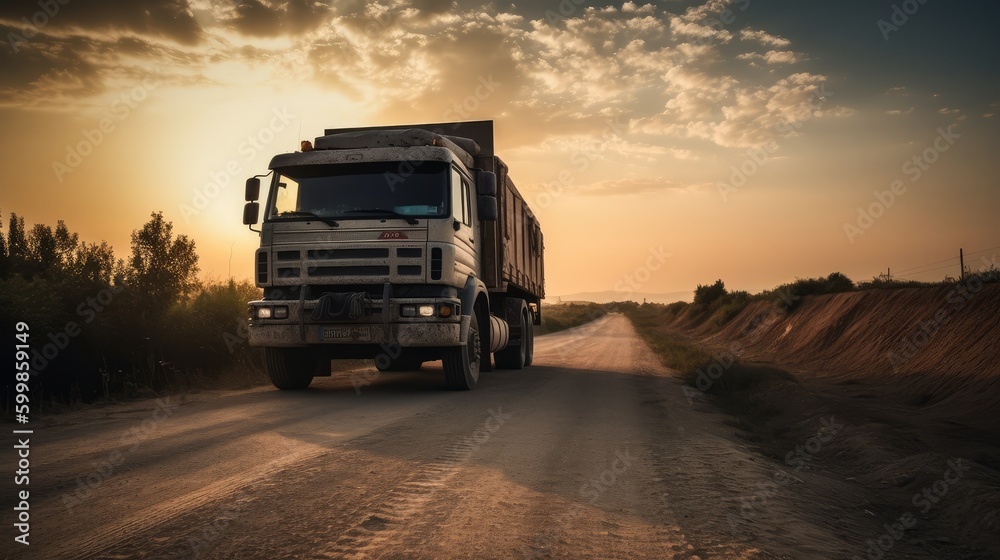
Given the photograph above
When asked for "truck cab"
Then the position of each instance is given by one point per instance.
(387, 243)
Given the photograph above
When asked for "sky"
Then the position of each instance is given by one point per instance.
(662, 145)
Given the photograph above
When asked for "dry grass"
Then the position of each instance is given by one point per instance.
(560, 317)
(743, 390)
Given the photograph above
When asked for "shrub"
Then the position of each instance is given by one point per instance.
(705, 296)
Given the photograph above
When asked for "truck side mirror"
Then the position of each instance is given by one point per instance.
(486, 183)
(488, 211)
(253, 190)
(251, 212)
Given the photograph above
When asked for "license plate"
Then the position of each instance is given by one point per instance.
(361, 334)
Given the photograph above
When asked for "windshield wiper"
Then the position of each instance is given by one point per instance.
(386, 212)
(303, 214)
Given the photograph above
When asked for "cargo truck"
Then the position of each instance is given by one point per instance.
(402, 244)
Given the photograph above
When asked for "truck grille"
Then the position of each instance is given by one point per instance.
(348, 270)
(343, 265)
(262, 267)
(332, 254)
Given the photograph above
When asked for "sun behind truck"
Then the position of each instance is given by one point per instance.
(405, 244)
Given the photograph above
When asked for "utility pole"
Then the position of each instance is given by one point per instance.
(961, 263)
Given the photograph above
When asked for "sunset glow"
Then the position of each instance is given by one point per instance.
(749, 141)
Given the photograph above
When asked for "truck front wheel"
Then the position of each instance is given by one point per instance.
(290, 368)
(462, 363)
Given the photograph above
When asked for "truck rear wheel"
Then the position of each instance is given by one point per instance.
(529, 353)
(290, 368)
(462, 363)
(516, 357)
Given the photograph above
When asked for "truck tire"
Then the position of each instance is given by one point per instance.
(462, 363)
(290, 368)
(515, 357)
(529, 354)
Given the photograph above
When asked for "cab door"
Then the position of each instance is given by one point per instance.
(463, 220)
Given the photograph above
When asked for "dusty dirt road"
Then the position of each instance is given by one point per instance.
(594, 452)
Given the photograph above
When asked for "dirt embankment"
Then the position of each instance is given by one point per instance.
(939, 345)
(913, 378)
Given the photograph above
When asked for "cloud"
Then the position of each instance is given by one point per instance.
(264, 18)
(171, 19)
(773, 57)
(68, 73)
(640, 185)
(664, 74)
(764, 38)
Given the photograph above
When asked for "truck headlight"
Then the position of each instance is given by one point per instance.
(407, 310)
(280, 312)
(263, 312)
(426, 310)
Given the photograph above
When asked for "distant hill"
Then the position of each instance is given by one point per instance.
(611, 295)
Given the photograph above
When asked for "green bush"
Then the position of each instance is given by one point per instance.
(705, 296)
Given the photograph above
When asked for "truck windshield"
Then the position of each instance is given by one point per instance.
(361, 190)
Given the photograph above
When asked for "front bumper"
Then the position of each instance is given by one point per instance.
(298, 329)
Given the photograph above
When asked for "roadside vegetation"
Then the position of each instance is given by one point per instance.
(743, 389)
(722, 305)
(103, 327)
(562, 316)
(750, 392)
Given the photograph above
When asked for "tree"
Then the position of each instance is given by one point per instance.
(163, 269)
(17, 243)
(4, 259)
(95, 263)
(42, 252)
(838, 282)
(67, 244)
(707, 295)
